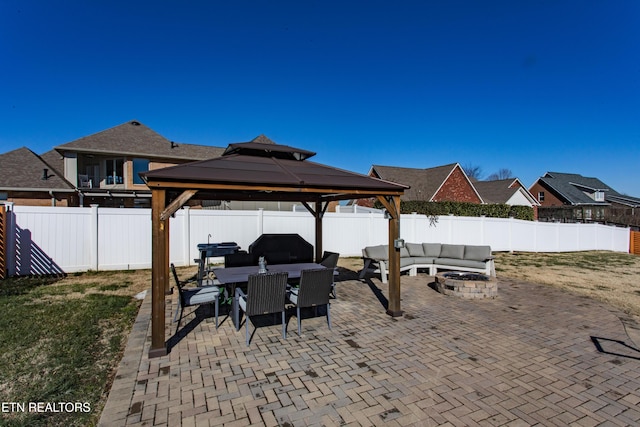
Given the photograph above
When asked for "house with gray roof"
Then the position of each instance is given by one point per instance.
(29, 179)
(585, 198)
(437, 184)
(104, 167)
(505, 191)
(451, 183)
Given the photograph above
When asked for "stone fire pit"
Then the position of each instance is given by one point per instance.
(466, 285)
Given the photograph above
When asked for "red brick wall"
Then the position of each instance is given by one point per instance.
(549, 198)
(457, 189)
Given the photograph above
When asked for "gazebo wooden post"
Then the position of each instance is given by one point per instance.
(159, 273)
(318, 215)
(165, 229)
(392, 204)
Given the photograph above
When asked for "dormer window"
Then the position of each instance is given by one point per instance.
(599, 196)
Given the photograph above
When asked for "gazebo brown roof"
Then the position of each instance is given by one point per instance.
(260, 171)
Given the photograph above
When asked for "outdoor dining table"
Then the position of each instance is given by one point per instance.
(231, 277)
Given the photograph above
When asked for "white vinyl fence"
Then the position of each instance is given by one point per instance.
(50, 240)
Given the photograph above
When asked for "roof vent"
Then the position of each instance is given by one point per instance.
(173, 145)
(45, 174)
(135, 123)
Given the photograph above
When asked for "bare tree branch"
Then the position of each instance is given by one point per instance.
(503, 173)
(473, 172)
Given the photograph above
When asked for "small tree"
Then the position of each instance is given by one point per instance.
(501, 174)
(473, 172)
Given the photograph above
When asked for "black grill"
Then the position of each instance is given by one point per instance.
(282, 248)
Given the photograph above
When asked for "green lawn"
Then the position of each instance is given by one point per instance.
(60, 344)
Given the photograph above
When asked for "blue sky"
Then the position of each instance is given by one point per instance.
(531, 86)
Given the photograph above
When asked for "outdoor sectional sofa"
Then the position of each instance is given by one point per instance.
(431, 256)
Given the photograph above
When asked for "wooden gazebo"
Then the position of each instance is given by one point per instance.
(262, 171)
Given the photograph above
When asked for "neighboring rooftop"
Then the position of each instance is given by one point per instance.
(135, 139)
(425, 183)
(572, 187)
(24, 170)
(502, 190)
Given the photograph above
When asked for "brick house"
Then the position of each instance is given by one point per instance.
(438, 184)
(573, 197)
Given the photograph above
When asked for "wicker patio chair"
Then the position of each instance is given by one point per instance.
(314, 289)
(266, 293)
(330, 260)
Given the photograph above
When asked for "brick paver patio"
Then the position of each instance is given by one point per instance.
(533, 356)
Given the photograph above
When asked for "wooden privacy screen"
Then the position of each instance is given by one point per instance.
(3, 242)
(634, 245)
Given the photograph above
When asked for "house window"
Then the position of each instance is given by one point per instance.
(139, 165)
(599, 196)
(115, 168)
(4, 196)
(541, 196)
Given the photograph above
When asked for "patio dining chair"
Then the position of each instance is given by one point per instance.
(194, 296)
(266, 294)
(314, 289)
(330, 260)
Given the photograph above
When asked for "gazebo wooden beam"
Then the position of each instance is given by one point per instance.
(177, 204)
(232, 188)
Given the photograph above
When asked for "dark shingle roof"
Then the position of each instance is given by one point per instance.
(262, 139)
(498, 191)
(633, 202)
(424, 182)
(135, 139)
(568, 186)
(55, 160)
(502, 190)
(23, 170)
